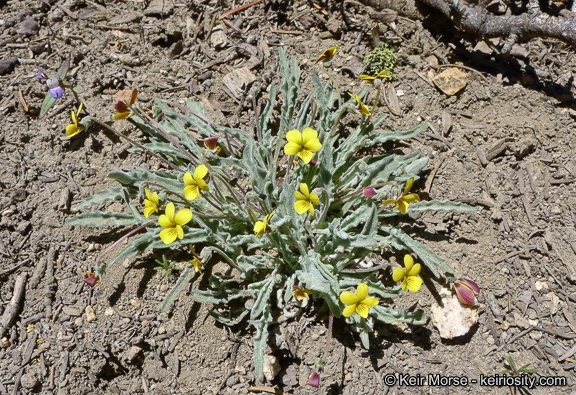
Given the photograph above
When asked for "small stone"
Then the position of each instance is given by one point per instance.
(109, 311)
(78, 322)
(90, 314)
(432, 61)
(271, 367)
(240, 370)
(450, 81)
(348, 376)
(452, 319)
(161, 330)
(4, 342)
(74, 311)
(218, 39)
(239, 81)
(91, 247)
(7, 66)
(133, 353)
(483, 47)
(520, 321)
(497, 7)
(136, 303)
(159, 8)
(28, 381)
(29, 27)
(540, 285)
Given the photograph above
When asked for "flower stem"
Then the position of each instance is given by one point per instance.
(335, 86)
(326, 207)
(373, 107)
(135, 143)
(124, 237)
(329, 337)
(225, 256)
(333, 130)
(209, 201)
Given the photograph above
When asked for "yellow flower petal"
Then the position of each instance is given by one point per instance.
(294, 136)
(362, 291)
(311, 210)
(165, 222)
(191, 192)
(411, 197)
(304, 190)
(402, 206)
(202, 185)
(72, 130)
(415, 270)
(349, 298)
(408, 186)
(408, 262)
(370, 302)
(188, 180)
(349, 311)
(200, 172)
(148, 194)
(389, 201)
(180, 231)
(309, 134)
(292, 148)
(170, 211)
(301, 206)
(121, 115)
(305, 155)
(313, 145)
(74, 118)
(183, 217)
(362, 310)
(260, 228)
(314, 199)
(404, 283)
(168, 235)
(364, 110)
(148, 211)
(414, 283)
(299, 196)
(398, 274)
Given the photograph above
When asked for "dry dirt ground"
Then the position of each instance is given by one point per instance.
(504, 145)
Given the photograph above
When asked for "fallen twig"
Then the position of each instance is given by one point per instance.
(14, 305)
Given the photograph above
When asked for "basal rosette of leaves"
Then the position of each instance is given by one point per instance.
(319, 253)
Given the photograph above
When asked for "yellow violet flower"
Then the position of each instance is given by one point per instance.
(196, 183)
(327, 55)
(172, 224)
(301, 293)
(370, 79)
(358, 302)
(122, 110)
(402, 201)
(197, 265)
(302, 144)
(305, 200)
(261, 227)
(409, 277)
(362, 108)
(73, 129)
(151, 203)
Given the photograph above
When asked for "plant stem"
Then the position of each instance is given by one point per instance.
(302, 250)
(225, 256)
(359, 191)
(124, 237)
(333, 130)
(209, 201)
(373, 107)
(137, 144)
(330, 321)
(335, 86)
(289, 165)
(326, 207)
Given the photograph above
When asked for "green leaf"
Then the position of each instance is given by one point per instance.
(64, 68)
(260, 341)
(231, 319)
(99, 219)
(262, 290)
(110, 194)
(46, 104)
(180, 286)
(374, 287)
(388, 315)
(435, 205)
(318, 277)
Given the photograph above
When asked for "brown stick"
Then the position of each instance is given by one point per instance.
(534, 23)
(14, 305)
(239, 9)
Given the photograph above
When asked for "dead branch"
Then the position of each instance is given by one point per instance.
(14, 305)
(533, 23)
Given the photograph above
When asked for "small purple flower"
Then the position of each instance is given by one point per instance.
(55, 89)
(369, 192)
(314, 380)
(41, 74)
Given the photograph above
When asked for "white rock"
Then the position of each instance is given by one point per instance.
(90, 314)
(453, 319)
(271, 367)
(540, 285)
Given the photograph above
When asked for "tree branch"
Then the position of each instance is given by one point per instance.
(534, 23)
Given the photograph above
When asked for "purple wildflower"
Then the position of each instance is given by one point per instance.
(55, 89)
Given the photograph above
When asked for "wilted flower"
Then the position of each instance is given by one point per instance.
(314, 380)
(402, 201)
(91, 279)
(73, 129)
(362, 108)
(196, 183)
(261, 227)
(409, 277)
(369, 192)
(173, 223)
(302, 144)
(301, 293)
(305, 200)
(151, 203)
(466, 290)
(122, 110)
(371, 80)
(327, 55)
(358, 302)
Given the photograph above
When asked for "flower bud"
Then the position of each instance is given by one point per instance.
(211, 143)
(466, 290)
(313, 162)
(91, 279)
(369, 192)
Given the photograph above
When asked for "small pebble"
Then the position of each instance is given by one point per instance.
(28, 381)
(90, 314)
